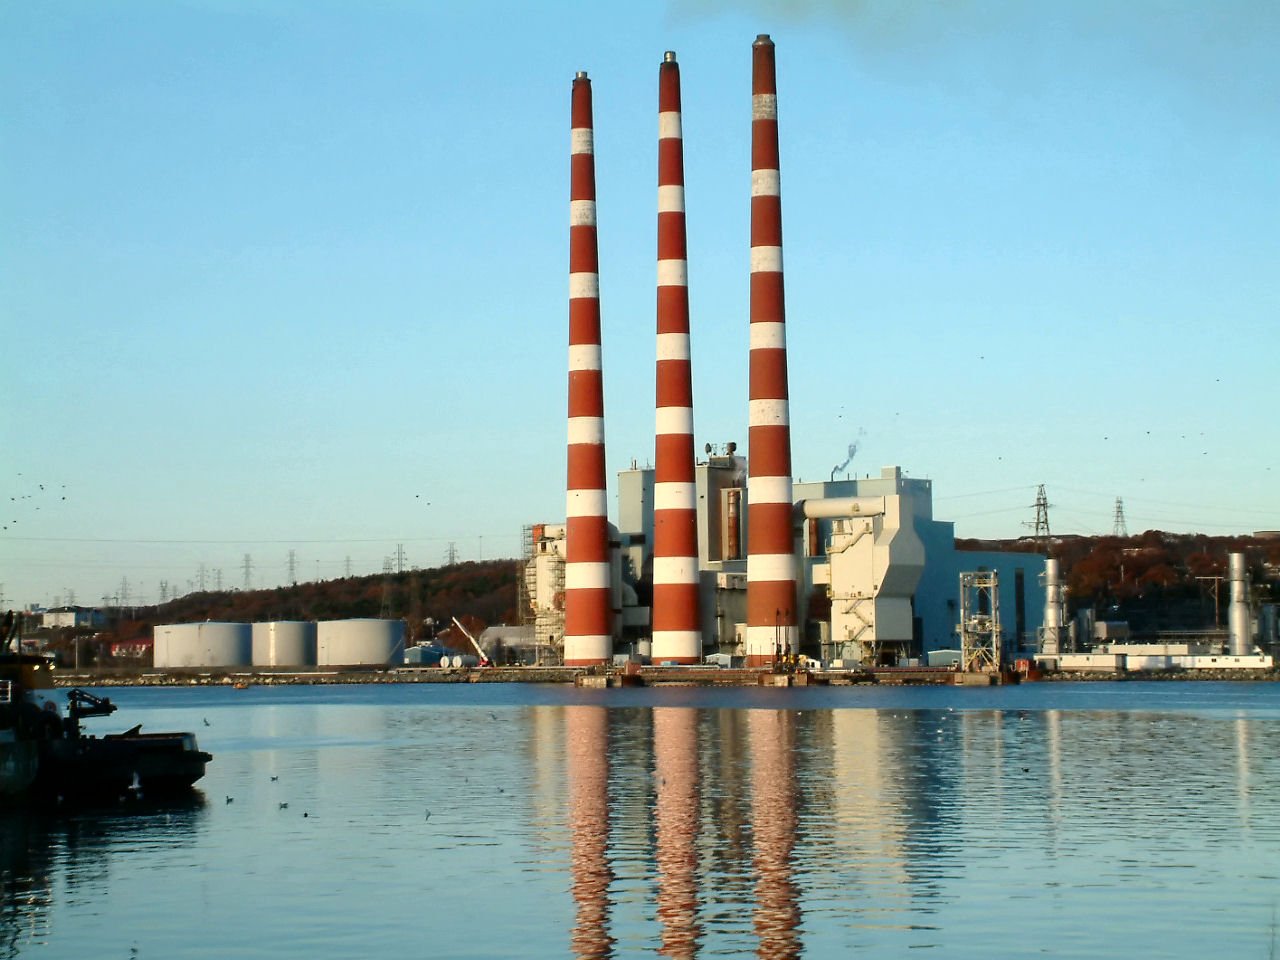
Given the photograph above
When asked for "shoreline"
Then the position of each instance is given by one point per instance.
(580, 676)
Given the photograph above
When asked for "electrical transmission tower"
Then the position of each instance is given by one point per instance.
(399, 558)
(385, 613)
(247, 566)
(1042, 517)
(451, 557)
(293, 567)
(1118, 526)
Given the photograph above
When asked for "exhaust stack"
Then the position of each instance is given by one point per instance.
(677, 635)
(588, 616)
(1238, 621)
(771, 566)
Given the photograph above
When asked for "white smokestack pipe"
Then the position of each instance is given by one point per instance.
(1238, 612)
(1054, 608)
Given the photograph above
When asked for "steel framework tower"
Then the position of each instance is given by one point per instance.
(980, 643)
(1118, 526)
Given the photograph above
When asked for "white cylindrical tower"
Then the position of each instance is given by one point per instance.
(1238, 638)
(284, 643)
(359, 642)
(1054, 608)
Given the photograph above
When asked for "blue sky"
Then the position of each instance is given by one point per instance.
(292, 276)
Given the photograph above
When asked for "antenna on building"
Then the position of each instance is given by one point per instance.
(247, 567)
(1118, 526)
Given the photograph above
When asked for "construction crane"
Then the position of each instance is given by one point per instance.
(482, 659)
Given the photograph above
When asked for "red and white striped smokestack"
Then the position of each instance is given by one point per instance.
(771, 566)
(676, 633)
(588, 615)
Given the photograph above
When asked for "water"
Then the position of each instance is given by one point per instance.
(1064, 820)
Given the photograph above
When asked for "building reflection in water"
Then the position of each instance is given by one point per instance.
(44, 856)
(586, 731)
(1242, 770)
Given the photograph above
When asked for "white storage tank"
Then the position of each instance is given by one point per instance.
(284, 643)
(208, 644)
(350, 643)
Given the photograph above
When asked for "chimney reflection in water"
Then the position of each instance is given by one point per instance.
(586, 732)
(675, 748)
(773, 816)
(771, 739)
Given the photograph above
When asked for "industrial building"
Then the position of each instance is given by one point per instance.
(878, 578)
(729, 555)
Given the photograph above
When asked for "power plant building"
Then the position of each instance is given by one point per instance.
(857, 571)
(877, 576)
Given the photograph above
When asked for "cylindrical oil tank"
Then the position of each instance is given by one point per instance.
(284, 643)
(208, 644)
(351, 643)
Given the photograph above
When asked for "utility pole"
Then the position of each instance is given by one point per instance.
(1217, 582)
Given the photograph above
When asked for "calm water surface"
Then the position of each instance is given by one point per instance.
(1083, 820)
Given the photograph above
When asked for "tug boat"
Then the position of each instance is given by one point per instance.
(45, 755)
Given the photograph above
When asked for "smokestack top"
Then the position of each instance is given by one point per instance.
(762, 40)
(581, 75)
(669, 57)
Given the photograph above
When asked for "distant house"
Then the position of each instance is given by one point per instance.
(73, 617)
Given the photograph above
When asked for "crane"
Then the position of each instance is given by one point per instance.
(483, 660)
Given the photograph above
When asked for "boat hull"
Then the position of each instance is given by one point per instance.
(120, 765)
